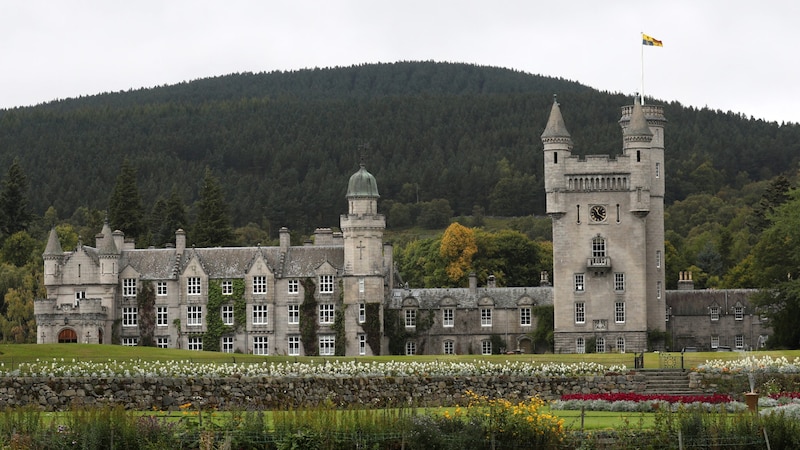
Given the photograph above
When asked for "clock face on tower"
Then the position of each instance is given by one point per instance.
(597, 213)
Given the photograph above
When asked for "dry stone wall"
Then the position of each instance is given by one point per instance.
(146, 393)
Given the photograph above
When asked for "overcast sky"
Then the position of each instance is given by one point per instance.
(732, 55)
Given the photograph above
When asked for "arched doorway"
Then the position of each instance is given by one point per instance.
(99, 335)
(524, 345)
(67, 336)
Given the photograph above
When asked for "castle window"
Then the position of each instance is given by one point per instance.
(161, 288)
(449, 347)
(598, 247)
(130, 316)
(619, 312)
(619, 282)
(227, 344)
(658, 259)
(326, 313)
(294, 345)
(362, 313)
(580, 312)
(600, 345)
(525, 316)
(621, 344)
(261, 345)
(80, 295)
(486, 347)
(448, 317)
(555, 157)
(638, 156)
(658, 290)
(714, 313)
(578, 212)
(327, 345)
(360, 285)
(294, 286)
(714, 342)
(738, 312)
(580, 345)
(162, 342)
(162, 316)
(326, 284)
(411, 318)
(259, 284)
(226, 312)
(738, 341)
(194, 316)
(294, 313)
(486, 317)
(411, 348)
(260, 314)
(193, 286)
(227, 287)
(129, 287)
(195, 343)
(130, 342)
(658, 170)
(580, 282)
(362, 344)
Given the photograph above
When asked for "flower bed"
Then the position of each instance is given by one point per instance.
(633, 402)
(332, 369)
(763, 364)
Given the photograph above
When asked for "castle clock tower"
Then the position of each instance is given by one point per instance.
(608, 235)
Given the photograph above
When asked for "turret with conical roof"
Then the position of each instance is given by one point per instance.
(362, 192)
(557, 148)
(53, 257)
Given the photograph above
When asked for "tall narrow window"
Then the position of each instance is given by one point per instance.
(362, 313)
(580, 282)
(294, 313)
(580, 312)
(294, 345)
(486, 317)
(658, 290)
(226, 313)
(714, 341)
(448, 315)
(555, 157)
(600, 345)
(738, 313)
(411, 318)
(486, 347)
(161, 288)
(619, 312)
(525, 316)
(621, 344)
(360, 285)
(598, 247)
(715, 313)
(362, 344)
(658, 170)
(580, 345)
(619, 282)
(578, 211)
(638, 156)
(162, 315)
(658, 259)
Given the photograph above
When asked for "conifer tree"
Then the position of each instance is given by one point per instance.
(125, 211)
(212, 227)
(14, 215)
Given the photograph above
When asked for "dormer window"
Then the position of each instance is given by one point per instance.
(714, 313)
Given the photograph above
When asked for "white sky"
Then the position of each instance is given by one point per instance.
(732, 55)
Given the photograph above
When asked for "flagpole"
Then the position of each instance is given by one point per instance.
(641, 46)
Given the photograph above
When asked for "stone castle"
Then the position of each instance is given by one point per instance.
(338, 295)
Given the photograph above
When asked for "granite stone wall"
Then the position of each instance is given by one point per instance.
(145, 393)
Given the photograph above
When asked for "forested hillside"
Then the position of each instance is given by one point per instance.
(283, 144)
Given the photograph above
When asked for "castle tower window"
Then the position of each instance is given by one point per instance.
(580, 312)
(600, 346)
(580, 282)
(658, 170)
(362, 313)
(638, 156)
(362, 344)
(619, 282)
(555, 157)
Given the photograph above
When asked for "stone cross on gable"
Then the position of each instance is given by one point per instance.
(360, 248)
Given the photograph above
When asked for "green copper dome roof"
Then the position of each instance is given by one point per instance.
(362, 184)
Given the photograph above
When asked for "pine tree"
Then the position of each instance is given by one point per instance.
(213, 225)
(125, 211)
(14, 215)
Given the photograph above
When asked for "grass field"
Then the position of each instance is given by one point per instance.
(11, 354)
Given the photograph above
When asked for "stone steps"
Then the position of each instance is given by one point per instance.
(665, 381)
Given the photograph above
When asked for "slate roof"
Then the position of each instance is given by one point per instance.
(507, 297)
(697, 302)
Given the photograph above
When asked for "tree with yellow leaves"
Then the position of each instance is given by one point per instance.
(457, 248)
